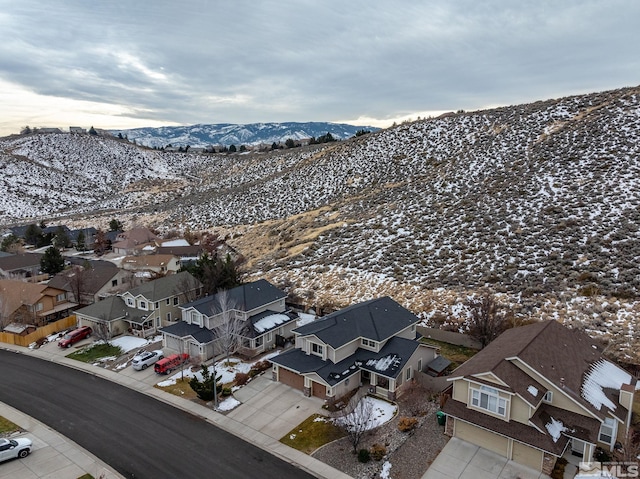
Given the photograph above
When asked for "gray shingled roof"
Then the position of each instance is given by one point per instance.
(388, 362)
(165, 287)
(113, 308)
(245, 297)
(182, 329)
(376, 319)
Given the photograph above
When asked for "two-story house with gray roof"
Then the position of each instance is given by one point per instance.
(540, 391)
(145, 309)
(373, 343)
(258, 309)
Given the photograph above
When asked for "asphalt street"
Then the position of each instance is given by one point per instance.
(137, 435)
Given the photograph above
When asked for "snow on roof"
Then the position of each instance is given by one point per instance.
(384, 363)
(603, 374)
(176, 242)
(270, 322)
(533, 391)
(555, 428)
(305, 318)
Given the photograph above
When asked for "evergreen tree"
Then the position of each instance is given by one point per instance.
(209, 386)
(61, 238)
(115, 225)
(33, 234)
(81, 241)
(289, 143)
(92, 131)
(10, 243)
(52, 261)
(232, 148)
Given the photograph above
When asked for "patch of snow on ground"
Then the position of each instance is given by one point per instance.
(603, 374)
(128, 343)
(386, 467)
(383, 411)
(228, 404)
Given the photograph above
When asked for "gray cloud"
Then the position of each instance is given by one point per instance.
(199, 61)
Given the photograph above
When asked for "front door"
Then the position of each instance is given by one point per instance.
(577, 447)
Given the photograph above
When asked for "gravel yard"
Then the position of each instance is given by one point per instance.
(409, 453)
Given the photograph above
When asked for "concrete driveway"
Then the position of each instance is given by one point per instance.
(462, 460)
(273, 408)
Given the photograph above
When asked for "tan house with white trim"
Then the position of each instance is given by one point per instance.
(32, 303)
(537, 392)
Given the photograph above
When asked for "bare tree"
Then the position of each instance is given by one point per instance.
(102, 330)
(227, 328)
(486, 323)
(77, 281)
(356, 423)
(188, 288)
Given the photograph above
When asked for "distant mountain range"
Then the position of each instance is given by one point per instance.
(226, 134)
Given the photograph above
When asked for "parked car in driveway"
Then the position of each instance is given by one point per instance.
(168, 364)
(12, 448)
(74, 336)
(144, 359)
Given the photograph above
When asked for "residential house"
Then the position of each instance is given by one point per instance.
(89, 281)
(32, 303)
(133, 241)
(187, 254)
(142, 310)
(89, 237)
(258, 308)
(538, 392)
(23, 265)
(373, 343)
(77, 129)
(152, 264)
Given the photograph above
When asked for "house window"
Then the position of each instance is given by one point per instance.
(420, 364)
(114, 283)
(168, 316)
(548, 396)
(158, 325)
(408, 374)
(175, 301)
(317, 349)
(130, 301)
(39, 307)
(607, 431)
(157, 305)
(168, 301)
(143, 305)
(269, 336)
(61, 297)
(368, 343)
(488, 398)
(259, 341)
(195, 318)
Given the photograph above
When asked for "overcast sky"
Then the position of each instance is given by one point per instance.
(129, 63)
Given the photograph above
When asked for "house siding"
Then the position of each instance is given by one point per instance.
(520, 410)
(461, 391)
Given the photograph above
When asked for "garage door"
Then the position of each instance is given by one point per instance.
(319, 390)
(526, 455)
(481, 437)
(291, 379)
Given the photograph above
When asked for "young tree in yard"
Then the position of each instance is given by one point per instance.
(356, 423)
(100, 244)
(52, 261)
(227, 327)
(11, 244)
(102, 330)
(209, 387)
(77, 282)
(486, 322)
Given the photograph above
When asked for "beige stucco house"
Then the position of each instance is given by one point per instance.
(373, 344)
(538, 392)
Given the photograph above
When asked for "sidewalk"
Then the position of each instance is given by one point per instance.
(247, 421)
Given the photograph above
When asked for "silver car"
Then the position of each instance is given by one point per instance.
(12, 448)
(144, 359)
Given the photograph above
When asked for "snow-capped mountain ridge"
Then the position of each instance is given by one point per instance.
(226, 134)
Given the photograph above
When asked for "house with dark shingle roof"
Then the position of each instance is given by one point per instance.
(89, 281)
(142, 310)
(537, 392)
(257, 309)
(20, 265)
(373, 343)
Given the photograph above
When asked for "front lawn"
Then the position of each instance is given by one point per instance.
(312, 433)
(7, 427)
(179, 387)
(91, 354)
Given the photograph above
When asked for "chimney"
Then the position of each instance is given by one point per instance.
(562, 382)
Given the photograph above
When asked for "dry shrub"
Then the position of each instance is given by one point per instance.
(378, 451)
(406, 424)
(241, 379)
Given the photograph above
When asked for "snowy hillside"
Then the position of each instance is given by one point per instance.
(226, 134)
(539, 202)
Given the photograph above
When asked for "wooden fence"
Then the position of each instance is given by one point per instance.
(38, 334)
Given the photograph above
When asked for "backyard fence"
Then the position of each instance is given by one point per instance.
(38, 334)
(450, 337)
